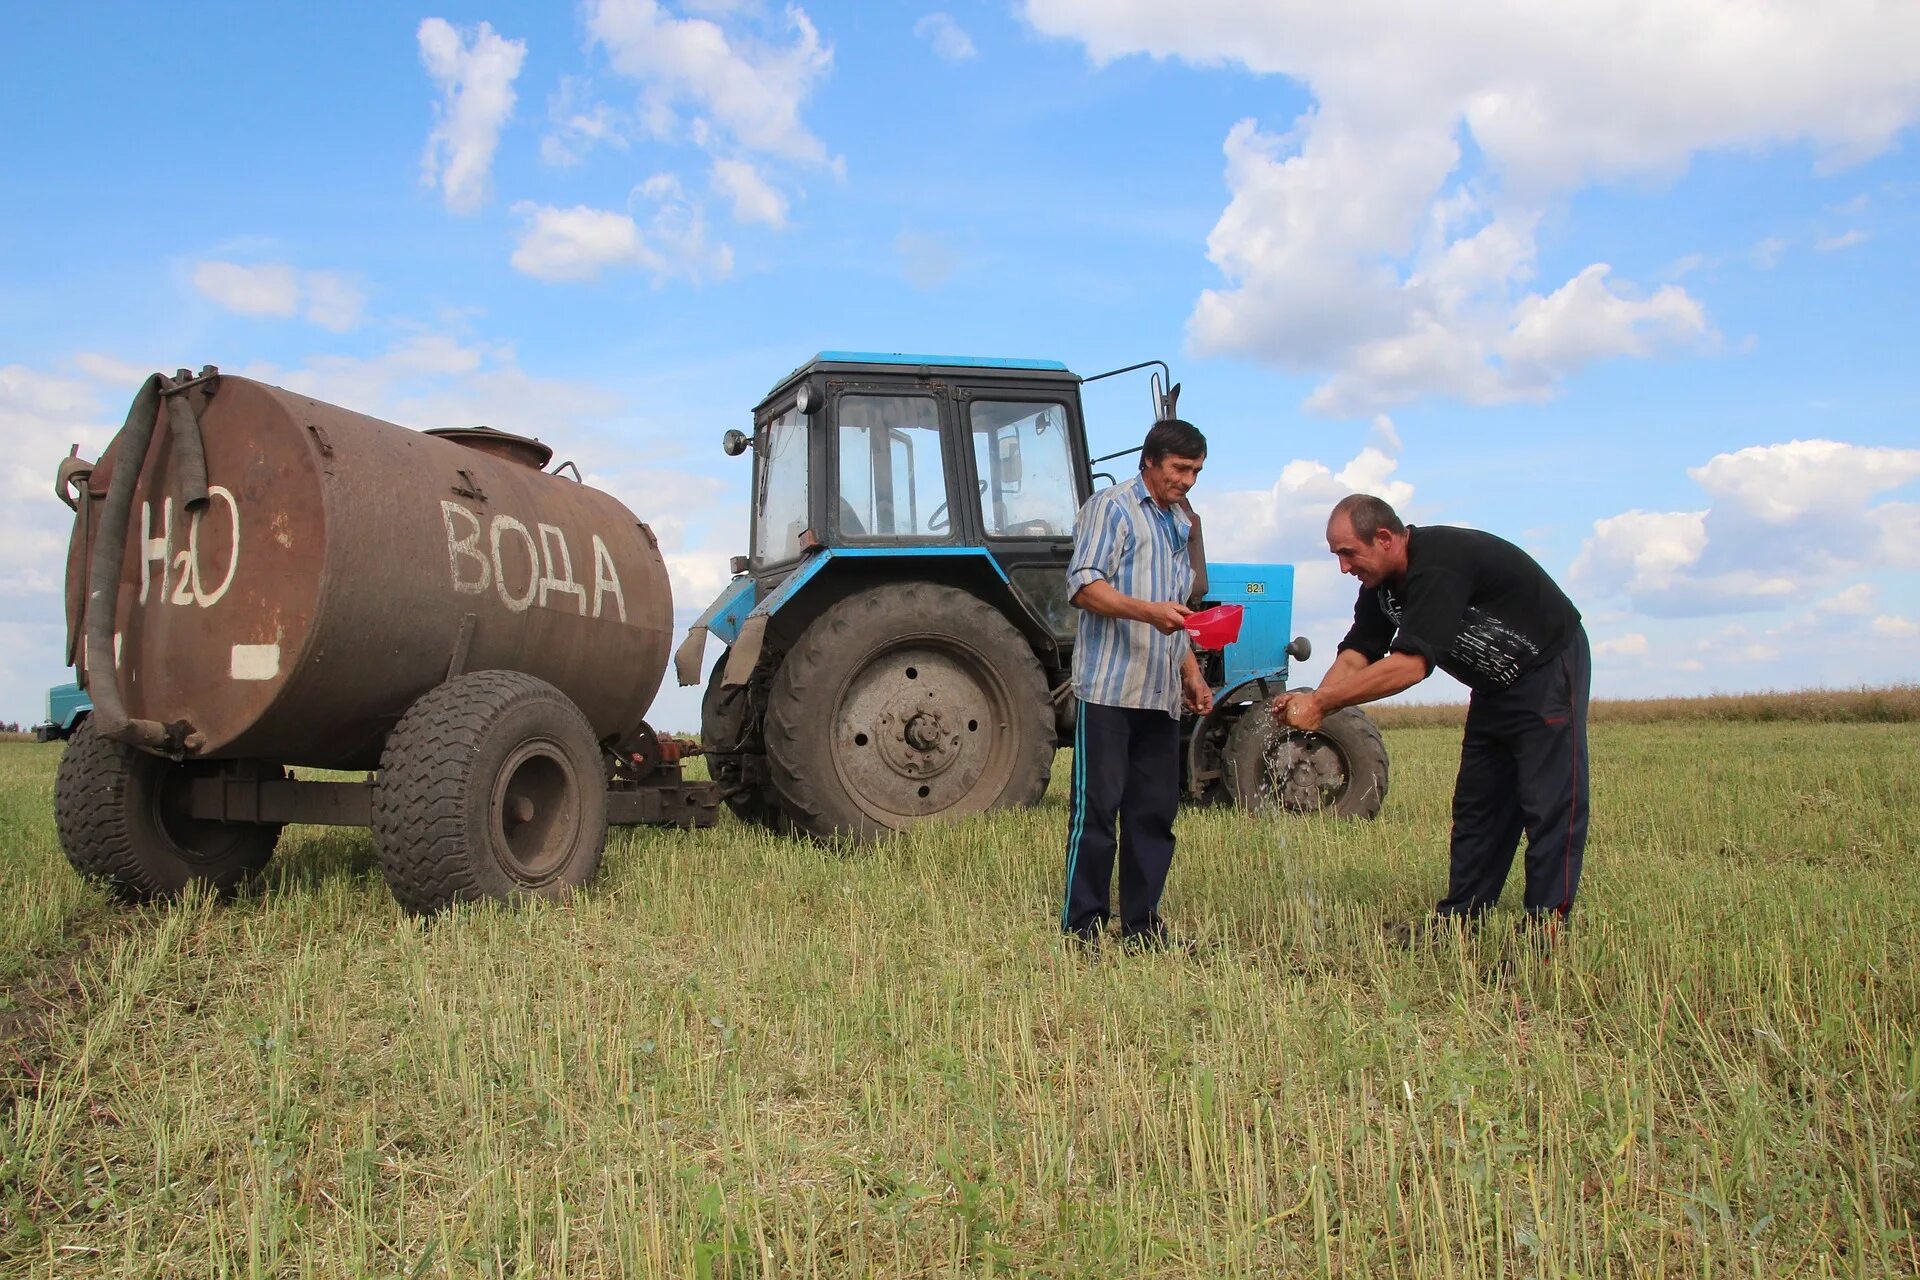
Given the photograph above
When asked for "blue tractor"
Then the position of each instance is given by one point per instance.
(898, 639)
(67, 705)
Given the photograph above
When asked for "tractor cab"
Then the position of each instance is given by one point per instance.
(872, 456)
(898, 639)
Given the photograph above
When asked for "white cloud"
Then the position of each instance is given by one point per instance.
(333, 300)
(753, 198)
(1855, 600)
(42, 416)
(271, 289)
(1584, 321)
(474, 71)
(748, 89)
(1767, 253)
(1370, 242)
(1785, 521)
(1895, 628)
(1780, 483)
(577, 124)
(122, 375)
(576, 245)
(1631, 645)
(329, 299)
(950, 42)
(1642, 552)
(1845, 240)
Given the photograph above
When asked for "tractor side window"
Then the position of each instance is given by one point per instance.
(893, 483)
(1025, 467)
(782, 500)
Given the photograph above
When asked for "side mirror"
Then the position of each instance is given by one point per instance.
(735, 442)
(1008, 449)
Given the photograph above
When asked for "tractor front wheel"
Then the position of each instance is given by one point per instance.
(1341, 768)
(907, 703)
(726, 733)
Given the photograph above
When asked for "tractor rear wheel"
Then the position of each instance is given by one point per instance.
(1340, 769)
(491, 786)
(122, 818)
(906, 703)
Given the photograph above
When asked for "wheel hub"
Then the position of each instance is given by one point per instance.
(535, 809)
(1304, 771)
(915, 730)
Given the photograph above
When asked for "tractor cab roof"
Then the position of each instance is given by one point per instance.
(897, 363)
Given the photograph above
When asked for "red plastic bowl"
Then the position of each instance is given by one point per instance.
(1215, 628)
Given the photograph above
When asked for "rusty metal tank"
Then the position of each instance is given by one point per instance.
(290, 585)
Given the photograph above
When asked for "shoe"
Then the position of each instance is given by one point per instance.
(1086, 939)
(1157, 939)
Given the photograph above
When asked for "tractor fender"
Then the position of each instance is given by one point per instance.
(723, 618)
(832, 573)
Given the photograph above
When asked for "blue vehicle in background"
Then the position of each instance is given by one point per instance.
(898, 638)
(67, 706)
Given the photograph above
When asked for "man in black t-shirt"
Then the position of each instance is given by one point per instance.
(1481, 610)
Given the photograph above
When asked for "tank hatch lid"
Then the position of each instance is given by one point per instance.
(501, 444)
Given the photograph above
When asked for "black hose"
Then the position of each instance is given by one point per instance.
(189, 457)
(110, 719)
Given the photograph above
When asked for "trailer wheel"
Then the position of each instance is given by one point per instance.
(723, 732)
(1340, 769)
(122, 818)
(905, 703)
(491, 786)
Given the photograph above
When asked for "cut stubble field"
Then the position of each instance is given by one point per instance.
(741, 1055)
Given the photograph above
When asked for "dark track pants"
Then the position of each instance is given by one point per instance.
(1523, 767)
(1126, 763)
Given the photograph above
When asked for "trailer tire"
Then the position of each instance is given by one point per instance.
(906, 703)
(1341, 768)
(491, 786)
(122, 819)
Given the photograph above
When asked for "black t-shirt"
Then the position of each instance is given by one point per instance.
(1474, 605)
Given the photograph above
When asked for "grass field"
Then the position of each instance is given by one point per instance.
(745, 1056)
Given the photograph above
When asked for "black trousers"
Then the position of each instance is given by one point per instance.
(1126, 763)
(1523, 767)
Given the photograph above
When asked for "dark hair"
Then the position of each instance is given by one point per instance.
(1369, 515)
(1172, 436)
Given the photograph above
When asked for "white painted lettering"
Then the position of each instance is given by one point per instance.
(606, 578)
(467, 545)
(183, 577)
(201, 596)
(155, 549)
(519, 604)
(560, 583)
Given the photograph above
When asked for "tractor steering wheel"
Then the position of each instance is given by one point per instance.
(937, 522)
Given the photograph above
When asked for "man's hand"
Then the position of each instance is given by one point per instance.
(1165, 617)
(1199, 696)
(1299, 711)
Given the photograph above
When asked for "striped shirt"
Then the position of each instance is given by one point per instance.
(1140, 548)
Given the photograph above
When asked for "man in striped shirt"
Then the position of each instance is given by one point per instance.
(1133, 670)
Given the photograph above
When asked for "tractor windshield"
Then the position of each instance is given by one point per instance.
(1025, 464)
(781, 504)
(892, 483)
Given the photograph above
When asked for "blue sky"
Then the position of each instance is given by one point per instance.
(1631, 284)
